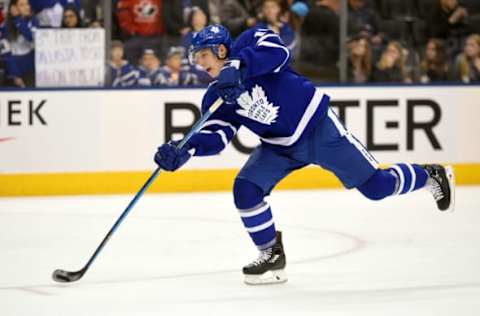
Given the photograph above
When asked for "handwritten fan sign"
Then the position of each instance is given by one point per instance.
(69, 57)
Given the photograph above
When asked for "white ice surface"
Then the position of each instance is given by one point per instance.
(181, 254)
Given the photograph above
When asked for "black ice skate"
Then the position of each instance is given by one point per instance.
(269, 266)
(441, 183)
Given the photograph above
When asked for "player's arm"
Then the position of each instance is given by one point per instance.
(217, 131)
(256, 52)
(261, 52)
(213, 137)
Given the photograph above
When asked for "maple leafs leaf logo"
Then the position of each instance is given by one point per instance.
(256, 106)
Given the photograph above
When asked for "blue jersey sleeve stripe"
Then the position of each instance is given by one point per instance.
(225, 140)
(268, 35)
(221, 123)
(292, 45)
(220, 133)
(270, 44)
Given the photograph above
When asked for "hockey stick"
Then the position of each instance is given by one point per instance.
(60, 275)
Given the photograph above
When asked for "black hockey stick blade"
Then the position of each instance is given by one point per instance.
(63, 276)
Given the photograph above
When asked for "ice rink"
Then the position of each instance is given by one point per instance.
(181, 254)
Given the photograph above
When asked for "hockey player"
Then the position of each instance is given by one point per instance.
(296, 127)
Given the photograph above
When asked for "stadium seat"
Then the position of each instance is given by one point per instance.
(424, 7)
(473, 6)
(399, 9)
(395, 30)
(474, 22)
(420, 33)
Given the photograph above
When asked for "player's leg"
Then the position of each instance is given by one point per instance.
(400, 178)
(340, 152)
(405, 178)
(260, 174)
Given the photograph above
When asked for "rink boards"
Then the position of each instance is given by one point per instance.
(103, 141)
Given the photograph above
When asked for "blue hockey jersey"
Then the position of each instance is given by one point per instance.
(39, 5)
(279, 105)
(18, 53)
(186, 77)
(127, 75)
(287, 34)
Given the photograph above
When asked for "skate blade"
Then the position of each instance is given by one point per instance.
(451, 182)
(269, 277)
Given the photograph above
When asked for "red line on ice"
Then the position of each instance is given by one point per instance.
(5, 139)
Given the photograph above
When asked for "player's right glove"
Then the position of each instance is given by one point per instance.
(170, 158)
(229, 83)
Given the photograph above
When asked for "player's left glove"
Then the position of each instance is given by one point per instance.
(170, 158)
(229, 83)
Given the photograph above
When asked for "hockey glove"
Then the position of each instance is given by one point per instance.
(229, 83)
(169, 158)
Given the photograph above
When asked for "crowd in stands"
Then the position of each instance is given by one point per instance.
(389, 41)
(18, 21)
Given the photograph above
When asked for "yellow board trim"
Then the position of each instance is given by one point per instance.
(180, 181)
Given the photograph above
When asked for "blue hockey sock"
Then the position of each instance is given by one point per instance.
(259, 224)
(410, 177)
(398, 179)
(256, 214)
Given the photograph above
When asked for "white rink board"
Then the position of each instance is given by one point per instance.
(119, 130)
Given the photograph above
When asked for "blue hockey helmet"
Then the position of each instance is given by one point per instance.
(211, 37)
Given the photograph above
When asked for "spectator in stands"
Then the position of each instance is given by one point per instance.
(434, 66)
(96, 24)
(391, 66)
(71, 17)
(48, 12)
(236, 15)
(142, 25)
(271, 18)
(2, 13)
(467, 64)
(197, 20)
(93, 10)
(213, 9)
(18, 50)
(360, 60)
(362, 19)
(173, 74)
(298, 10)
(75, 3)
(320, 46)
(447, 22)
(3, 45)
(177, 15)
(150, 65)
(123, 74)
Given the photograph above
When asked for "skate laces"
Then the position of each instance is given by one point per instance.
(435, 188)
(263, 257)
